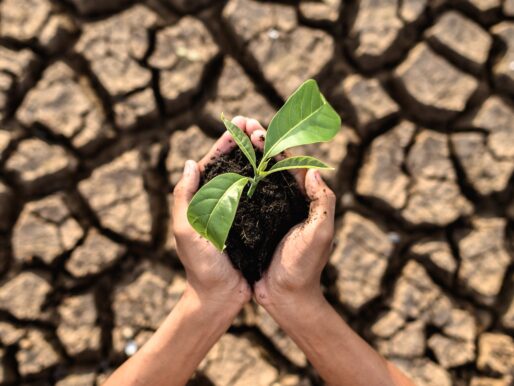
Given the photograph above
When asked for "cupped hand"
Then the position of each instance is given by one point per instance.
(210, 275)
(295, 271)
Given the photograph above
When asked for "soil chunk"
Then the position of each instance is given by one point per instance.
(262, 221)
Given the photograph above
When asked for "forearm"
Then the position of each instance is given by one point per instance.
(173, 353)
(340, 356)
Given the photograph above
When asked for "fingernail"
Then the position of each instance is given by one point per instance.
(259, 134)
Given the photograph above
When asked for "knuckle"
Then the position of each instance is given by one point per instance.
(181, 192)
(181, 230)
(178, 189)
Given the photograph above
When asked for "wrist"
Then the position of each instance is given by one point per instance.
(212, 304)
(300, 315)
(187, 334)
(289, 303)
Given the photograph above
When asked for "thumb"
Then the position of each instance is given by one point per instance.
(184, 190)
(322, 206)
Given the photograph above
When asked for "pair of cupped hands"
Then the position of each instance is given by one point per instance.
(293, 277)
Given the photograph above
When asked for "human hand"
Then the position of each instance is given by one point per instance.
(214, 294)
(210, 275)
(295, 271)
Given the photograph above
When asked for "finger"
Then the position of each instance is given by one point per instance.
(322, 206)
(183, 193)
(258, 133)
(253, 125)
(240, 122)
(258, 137)
(223, 145)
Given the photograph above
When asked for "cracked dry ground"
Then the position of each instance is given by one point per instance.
(101, 103)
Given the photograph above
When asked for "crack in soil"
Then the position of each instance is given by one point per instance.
(156, 181)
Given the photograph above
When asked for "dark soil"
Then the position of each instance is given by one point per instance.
(263, 220)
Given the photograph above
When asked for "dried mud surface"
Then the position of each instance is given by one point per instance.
(101, 103)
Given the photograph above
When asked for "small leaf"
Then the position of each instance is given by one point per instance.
(212, 210)
(305, 118)
(242, 140)
(301, 162)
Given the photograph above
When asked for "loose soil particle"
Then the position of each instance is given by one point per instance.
(263, 220)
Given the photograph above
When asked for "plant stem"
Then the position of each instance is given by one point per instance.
(253, 186)
(258, 177)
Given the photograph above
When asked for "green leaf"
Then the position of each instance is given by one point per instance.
(301, 162)
(305, 118)
(212, 210)
(242, 140)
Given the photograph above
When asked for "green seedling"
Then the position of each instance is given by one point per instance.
(305, 118)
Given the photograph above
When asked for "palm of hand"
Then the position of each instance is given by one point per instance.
(213, 269)
(296, 266)
(209, 272)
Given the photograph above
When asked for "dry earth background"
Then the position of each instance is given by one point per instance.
(102, 102)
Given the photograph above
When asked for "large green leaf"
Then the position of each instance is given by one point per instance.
(305, 118)
(301, 162)
(242, 141)
(213, 208)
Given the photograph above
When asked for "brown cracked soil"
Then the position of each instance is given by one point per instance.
(101, 103)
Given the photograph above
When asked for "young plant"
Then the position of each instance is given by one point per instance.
(305, 118)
